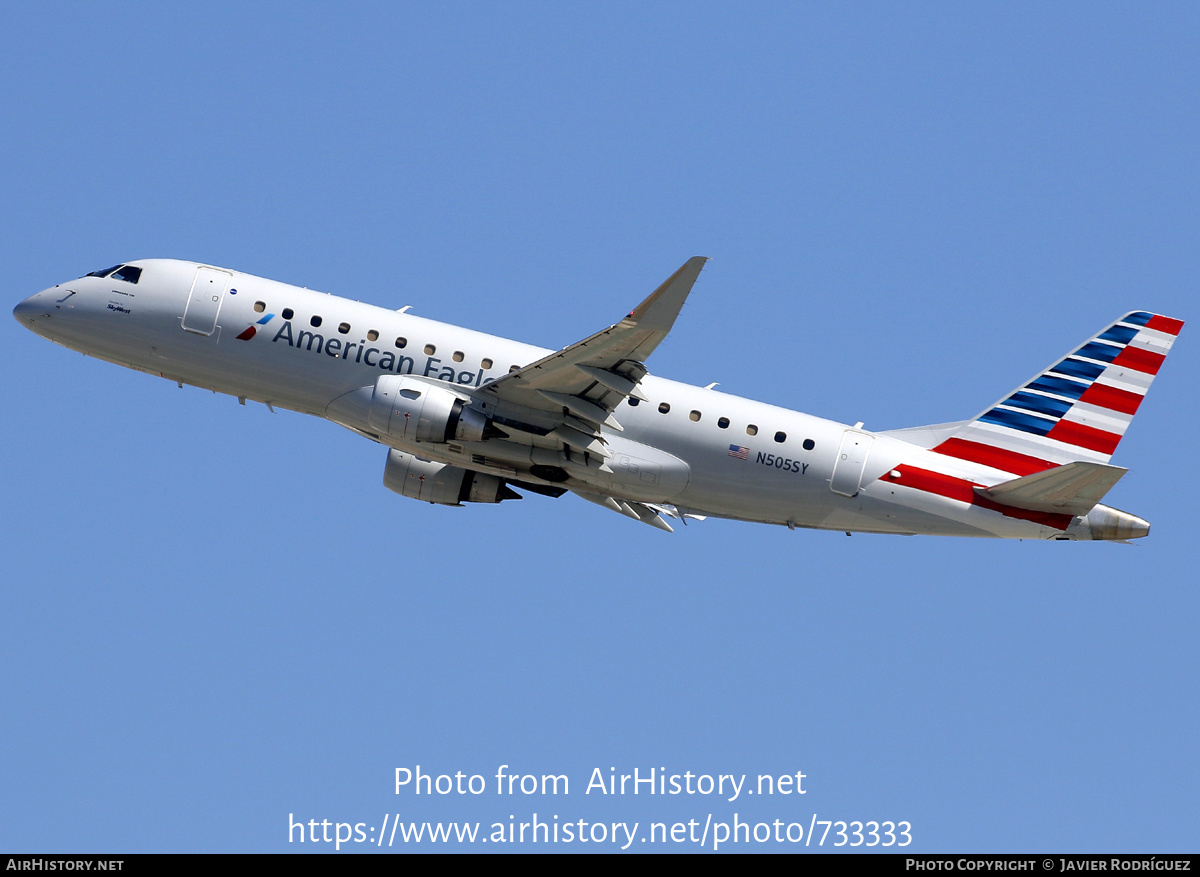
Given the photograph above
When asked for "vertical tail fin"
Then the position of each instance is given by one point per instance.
(1076, 410)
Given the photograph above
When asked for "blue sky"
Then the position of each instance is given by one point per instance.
(215, 617)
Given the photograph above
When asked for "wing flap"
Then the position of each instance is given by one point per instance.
(584, 409)
(639, 511)
(1073, 489)
(614, 381)
(589, 441)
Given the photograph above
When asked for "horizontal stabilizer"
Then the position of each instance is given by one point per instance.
(1073, 489)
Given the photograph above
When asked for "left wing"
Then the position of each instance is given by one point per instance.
(578, 388)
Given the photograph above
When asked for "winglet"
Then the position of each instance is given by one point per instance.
(661, 307)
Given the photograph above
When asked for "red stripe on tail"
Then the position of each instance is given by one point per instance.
(1084, 436)
(997, 458)
(1140, 360)
(1165, 324)
(1112, 398)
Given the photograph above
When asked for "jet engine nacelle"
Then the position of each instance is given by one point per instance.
(441, 483)
(414, 410)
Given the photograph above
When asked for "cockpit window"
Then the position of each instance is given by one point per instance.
(103, 273)
(129, 273)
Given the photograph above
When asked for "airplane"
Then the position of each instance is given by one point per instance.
(474, 418)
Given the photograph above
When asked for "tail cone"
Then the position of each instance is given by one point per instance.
(1114, 525)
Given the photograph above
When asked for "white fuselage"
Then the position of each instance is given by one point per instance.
(702, 452)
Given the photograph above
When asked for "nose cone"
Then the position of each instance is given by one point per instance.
(25, 311)
(34, 313)
(29, 310)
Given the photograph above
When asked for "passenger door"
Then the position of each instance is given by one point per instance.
(204, 303)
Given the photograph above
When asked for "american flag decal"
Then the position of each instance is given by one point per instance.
(739, 452)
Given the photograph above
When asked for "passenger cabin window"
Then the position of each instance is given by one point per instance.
(344, 328)
(372, 335)
(751, 429)
(486, 364)
(259, 307)
(402, 342)
(723, 423)
(430, 350)
(695, 416)
(129, 273)
(513, 368)
(664, 407)
(809, 444)
(458, 356)
(633, 402)
(288, 313)
(781, 437)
